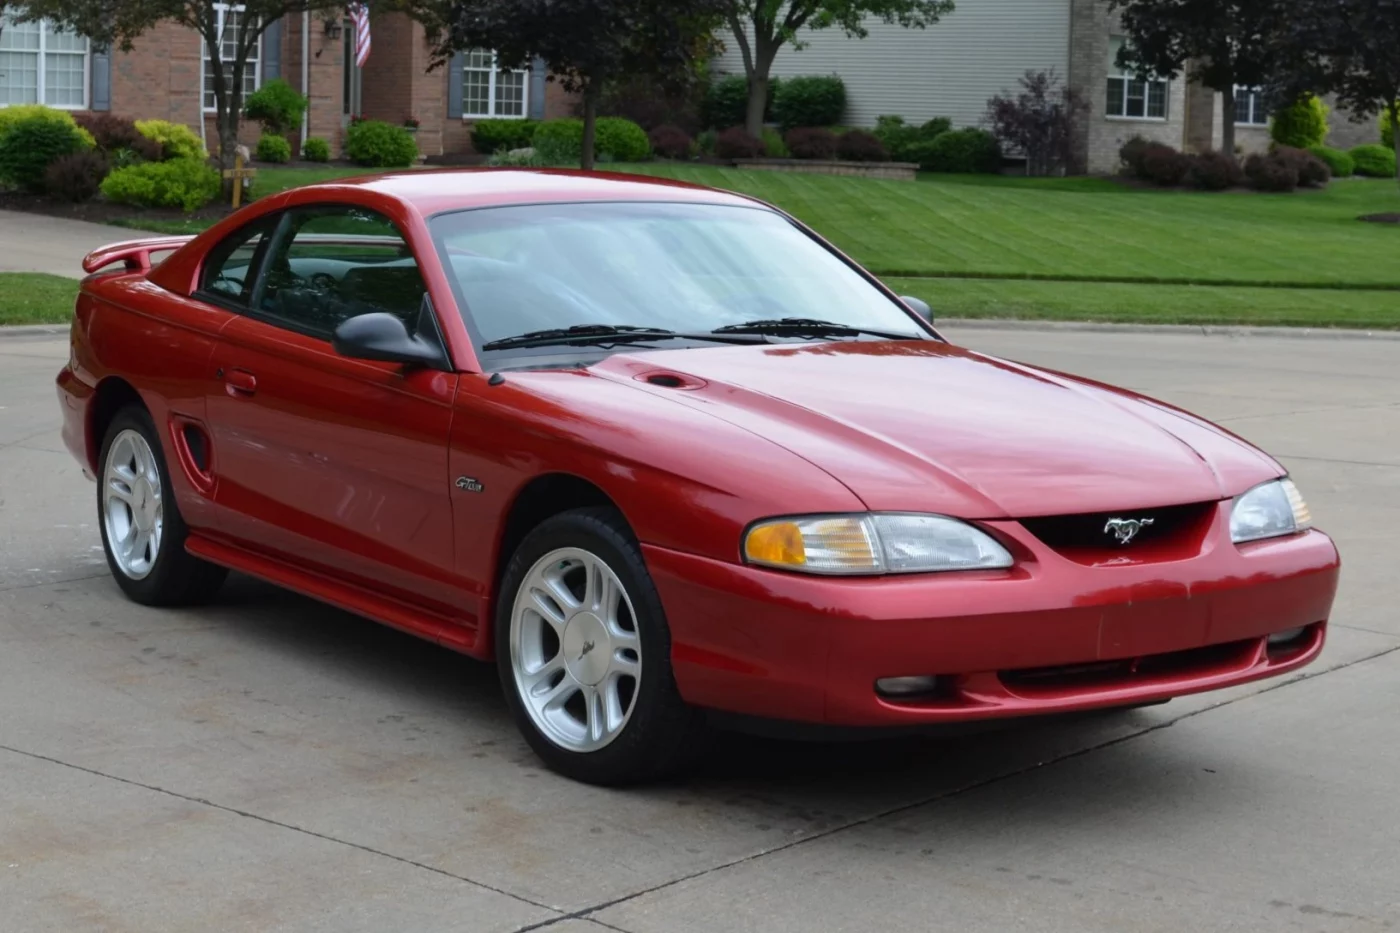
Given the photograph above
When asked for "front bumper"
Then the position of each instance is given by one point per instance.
(1032, 639)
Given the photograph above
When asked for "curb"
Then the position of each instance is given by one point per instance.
(17, 331)
(1186, 330)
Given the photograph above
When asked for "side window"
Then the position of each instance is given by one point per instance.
(334, 263)
(230, 266)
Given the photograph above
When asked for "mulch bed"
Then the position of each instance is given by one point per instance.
(101, 212)
(1382, 218)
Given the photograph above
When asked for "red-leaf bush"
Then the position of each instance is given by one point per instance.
(735, 143)
(1214, 171)
(1271, 172)
(1163, 166)
(860, 146)
(811, 142)
(76, 176)
(1312, 171)
(670, 142)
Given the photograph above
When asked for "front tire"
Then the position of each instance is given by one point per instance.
(143, 533)
(584, 654)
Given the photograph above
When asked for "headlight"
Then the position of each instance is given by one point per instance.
(872, 544)
(1268, 511)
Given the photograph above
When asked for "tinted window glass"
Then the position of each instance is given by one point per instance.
(330, 264)
(228, 266)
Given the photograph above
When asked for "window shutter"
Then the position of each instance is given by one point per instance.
(101, 64)
(454, 86)
(538, 72)
(272, 51)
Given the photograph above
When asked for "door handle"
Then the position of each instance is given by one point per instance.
(241, 382)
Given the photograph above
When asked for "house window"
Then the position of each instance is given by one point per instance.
(228, 21)
(1131, 97)
(488, 91)
(40, 65)
(1249, 107)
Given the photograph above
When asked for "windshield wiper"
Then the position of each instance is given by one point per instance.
(808, 327)
(585, 334)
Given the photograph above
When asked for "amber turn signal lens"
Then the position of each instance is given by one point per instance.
(778, 544)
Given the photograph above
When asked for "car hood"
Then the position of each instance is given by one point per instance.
(928, 426)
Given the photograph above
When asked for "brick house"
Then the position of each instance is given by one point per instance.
(166, 77)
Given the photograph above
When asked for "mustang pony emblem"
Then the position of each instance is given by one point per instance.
(1125, 529)
(587, 647)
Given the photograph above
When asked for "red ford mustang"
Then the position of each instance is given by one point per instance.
(661, 451)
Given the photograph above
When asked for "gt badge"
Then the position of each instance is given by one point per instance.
(467, 484)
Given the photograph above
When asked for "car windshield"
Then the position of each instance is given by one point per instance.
(689, 268)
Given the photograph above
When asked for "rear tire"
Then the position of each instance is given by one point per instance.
(143, 533)
(584, 654)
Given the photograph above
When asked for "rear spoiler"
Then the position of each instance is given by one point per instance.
(134, 254)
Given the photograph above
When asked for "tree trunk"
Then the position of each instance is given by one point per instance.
(1227, 122)
(758, 104)
(590, 120)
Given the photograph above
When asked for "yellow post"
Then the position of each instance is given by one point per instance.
(237, 180)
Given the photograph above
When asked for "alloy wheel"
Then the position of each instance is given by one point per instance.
(132, 514)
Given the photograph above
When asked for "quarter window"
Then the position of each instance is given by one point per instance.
(230, 266)
(1130, 96)
(41, 65)
(488, 91)
(330, 264)
(1249, 107)
(228, 20)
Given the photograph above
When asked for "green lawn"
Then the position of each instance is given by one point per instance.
(36, 298)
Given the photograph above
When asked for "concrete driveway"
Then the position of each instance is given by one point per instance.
(267, 763)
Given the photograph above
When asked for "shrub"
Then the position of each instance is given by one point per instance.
(316, 149)
(188, 184)
(380, 145)
(639, 99)
(273, 149)
(1387, 131)
(861, 146)
(16, 112)
(735, 143)
(811, 142)
(562, 138)
(1312, 171)
(277, 106)
(1340, 164)
(1131, 153)
(111, 133)
(963, 151)
(726, 101)
(622, 140)
(900, 139)
(30, 143)
(1374, 161)
(1271, 172)
(1301, 124)
(813, 100)
(774, 147)
(1162, 165)
(705, 142)
(490, 136)
(76, 176)
(1213, 171)
(177, 141)
(1039, 121)
(670, 142)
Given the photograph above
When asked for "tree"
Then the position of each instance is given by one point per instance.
(585, 43)
(119, 23)
(762, 27)
(1219, 43)
(1349, 48)
(1040, 121)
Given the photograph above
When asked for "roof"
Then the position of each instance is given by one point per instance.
(434, 190)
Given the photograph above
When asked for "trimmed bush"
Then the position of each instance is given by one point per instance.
(774, 147)
(1374, 161)
(735, 143)
(1131, 153)
(316, 149)
(277, 106)
(812, 100)
(76, 176)
(491, 136)
(811, 142)
(1213, 171)
(1312, 171)
(273, 149)
(1301, 124)
(188, 184)
(111, 133)
(177, 141)
(380, 145)
(671, 142)
(16, 112)
(901, 140)
(726, 102)
(1163, 166)
(1340, 164)
(968, 151)
(705, 142)
(562, 139)
(30, 143)
(1271, 172)
(618, 139)
(860, 146)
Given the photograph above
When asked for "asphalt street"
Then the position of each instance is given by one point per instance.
(268, 763)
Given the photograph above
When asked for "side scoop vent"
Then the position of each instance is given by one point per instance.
(667, 379)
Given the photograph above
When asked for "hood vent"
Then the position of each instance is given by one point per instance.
(666, 379)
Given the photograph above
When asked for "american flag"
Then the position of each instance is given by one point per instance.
(359, 15)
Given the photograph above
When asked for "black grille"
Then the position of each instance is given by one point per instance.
(1092, 532)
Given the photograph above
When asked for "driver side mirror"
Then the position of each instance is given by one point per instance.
(382, 336)
(918, 306)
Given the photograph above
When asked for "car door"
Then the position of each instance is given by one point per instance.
(335, 465)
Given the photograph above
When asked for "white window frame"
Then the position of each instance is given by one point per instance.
(40, 86)
(221, 11)
(1127, 78)
(491, 99)
(1255, 106)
